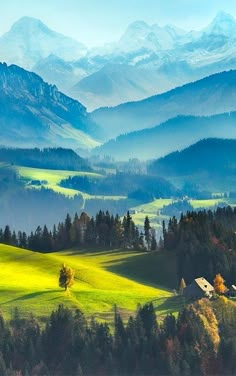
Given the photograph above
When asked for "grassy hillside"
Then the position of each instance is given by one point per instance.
(151, 210)
(52, 177)
(29, 281)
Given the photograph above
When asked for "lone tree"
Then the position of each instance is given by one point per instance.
(219, 285)
(66, 277)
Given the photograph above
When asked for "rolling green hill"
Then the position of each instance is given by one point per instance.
(51, 178)
(29, 280)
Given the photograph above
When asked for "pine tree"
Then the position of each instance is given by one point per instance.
(7, 235)
(119, 333)
(68, 226)
(147, 232)
(153, 240)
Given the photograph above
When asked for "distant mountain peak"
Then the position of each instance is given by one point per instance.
(139, 25)
(223, 16)
(30, 24)
(223, 23)
(30, 40)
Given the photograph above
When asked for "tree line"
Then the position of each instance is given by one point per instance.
(143, 187)
(103, 230)
(205, 244)
(70, 344)
(49, 158)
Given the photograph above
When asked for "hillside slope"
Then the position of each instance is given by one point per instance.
(118, 83)
(174, 134)
(209, 165)
(212, 95)
(29, 280)
(34, 113)
(213, 156)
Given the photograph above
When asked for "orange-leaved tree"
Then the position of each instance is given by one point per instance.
(219, 284)
(66, 277)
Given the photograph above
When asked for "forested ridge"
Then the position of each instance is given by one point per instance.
(48, 158)
(200, 342)
(140, 187)
(103, 230)
(204, 243)
(217, 157)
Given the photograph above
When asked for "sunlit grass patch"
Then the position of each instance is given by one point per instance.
(29, 281)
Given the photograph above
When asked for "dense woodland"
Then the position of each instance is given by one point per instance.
(205, 244)
(200, 342)
(49, 158)
(103, 230)
(140, 187)
(25, 209)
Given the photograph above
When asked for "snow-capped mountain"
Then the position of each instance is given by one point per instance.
(173, 56)
(29, 40)
(146, 60)
(140, 35)
(223, 24)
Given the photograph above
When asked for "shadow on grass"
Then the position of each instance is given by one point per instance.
(170, 304)
(97, 252)
(154, 269)
(30, 296)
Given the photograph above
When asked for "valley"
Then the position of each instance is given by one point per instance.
(117, 189)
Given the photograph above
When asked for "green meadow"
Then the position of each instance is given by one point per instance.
(29, 281)
(151, 210)
(53, 178)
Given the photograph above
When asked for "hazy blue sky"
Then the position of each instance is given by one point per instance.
(95, 22)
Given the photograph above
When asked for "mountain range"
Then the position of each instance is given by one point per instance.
(209, 96)
(34, 113)
(174, 134)
(156, 58)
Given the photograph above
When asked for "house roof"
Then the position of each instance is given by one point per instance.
(204, 284)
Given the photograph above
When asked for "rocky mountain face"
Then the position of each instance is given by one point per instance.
(34, 113)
